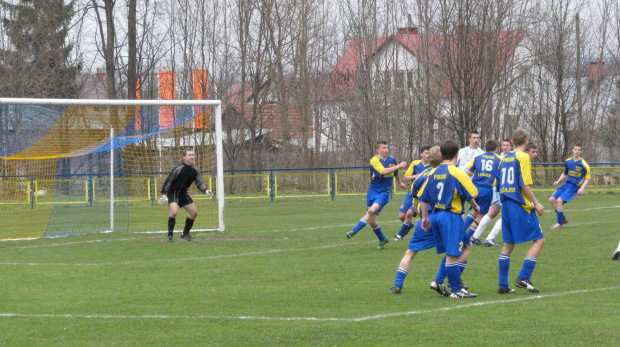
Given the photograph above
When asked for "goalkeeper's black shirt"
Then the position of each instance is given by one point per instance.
(181, 178)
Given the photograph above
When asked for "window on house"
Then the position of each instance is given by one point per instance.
(342, 127)
(410, 83)
(399, 80)
(387, 81)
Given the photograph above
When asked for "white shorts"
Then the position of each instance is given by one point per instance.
(496, 199)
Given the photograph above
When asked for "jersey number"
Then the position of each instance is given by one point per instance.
(440, 187)
(508, 175)
(487, 165)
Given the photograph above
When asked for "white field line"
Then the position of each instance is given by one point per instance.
(263, 231)
(191, 258)
(259, 231)
(138, 238)
(465, 304)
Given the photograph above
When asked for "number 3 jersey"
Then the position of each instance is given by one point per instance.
(515, 171)
(447, 188)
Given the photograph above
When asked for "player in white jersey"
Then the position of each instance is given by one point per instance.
(466, 154)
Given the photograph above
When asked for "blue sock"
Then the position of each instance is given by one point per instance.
(561, 218)
(469, 219)
(400, 277)
(404, 229)
(454, 276)
(462, 266)
(527, 269)
(362, 223)
(379, 233)
(441, 271)
(471, 231)
(504, 268)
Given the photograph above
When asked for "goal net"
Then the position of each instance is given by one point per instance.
(81, 166)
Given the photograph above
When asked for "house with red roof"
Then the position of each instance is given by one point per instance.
(418, 79)
(431, 73)
(272, 121)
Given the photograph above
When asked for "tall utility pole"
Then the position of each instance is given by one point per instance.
(132, 72)
(578, 72)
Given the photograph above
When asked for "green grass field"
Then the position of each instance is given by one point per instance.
(284, 273)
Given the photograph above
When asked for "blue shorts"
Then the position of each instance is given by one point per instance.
(381, 198)
(567, 192)
(519, 226)
(484, 199)
(421, 239)
(496, 198)
(407, 202)
(449, 232)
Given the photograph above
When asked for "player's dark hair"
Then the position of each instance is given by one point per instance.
(531, 145)
(507, 140)
(473, 132)
(578, 145)
(379, 143)
(519, 136)
(187, 150)
(490, 146)
(449, 149)
(425, 148)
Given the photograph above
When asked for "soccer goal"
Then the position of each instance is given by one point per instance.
(83, 166)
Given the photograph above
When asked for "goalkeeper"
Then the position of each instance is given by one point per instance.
(174, 191)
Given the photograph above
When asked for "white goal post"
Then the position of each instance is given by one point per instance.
(215, 105)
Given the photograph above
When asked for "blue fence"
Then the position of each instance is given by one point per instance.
(269, 184)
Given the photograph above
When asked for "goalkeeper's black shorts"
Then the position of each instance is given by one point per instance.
(181, 198)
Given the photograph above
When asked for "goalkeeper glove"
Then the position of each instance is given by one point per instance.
(162, 199)
(209, 193)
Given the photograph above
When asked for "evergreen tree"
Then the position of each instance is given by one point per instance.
(37, 62)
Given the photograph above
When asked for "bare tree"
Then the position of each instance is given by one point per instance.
(553, 105)
(108, 43)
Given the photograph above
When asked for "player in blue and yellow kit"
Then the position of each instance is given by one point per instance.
(519, 221)
(483, 169)
(421, 239)
(407, 211)
(577, 174)
(446, 191)
(383, 170)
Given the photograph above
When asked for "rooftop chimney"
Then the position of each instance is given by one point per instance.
(597, 71)
(100, 75)
(408, 31)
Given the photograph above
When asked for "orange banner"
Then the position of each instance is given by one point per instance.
(167, 91)
(201, 92)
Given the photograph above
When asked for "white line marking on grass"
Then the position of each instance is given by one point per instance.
(151, 261)
(593, 208)
(349, 225)
(466, 304)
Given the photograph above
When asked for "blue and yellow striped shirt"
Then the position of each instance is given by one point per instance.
(447, 189)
